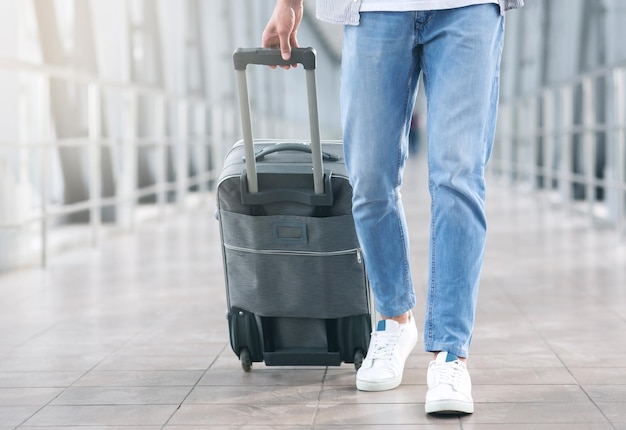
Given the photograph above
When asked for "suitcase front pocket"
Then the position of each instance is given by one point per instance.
(294, 266)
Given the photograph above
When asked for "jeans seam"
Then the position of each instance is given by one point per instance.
(432, 287)
(400, 162)
(428, 335)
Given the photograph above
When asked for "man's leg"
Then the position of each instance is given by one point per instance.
(461, 61)
(379, 77)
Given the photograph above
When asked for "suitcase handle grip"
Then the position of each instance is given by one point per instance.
(302, 147)
(272, 57)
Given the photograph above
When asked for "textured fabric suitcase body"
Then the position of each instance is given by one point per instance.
(296, 284)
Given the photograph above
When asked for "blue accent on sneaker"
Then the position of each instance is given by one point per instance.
(451, 357)
(381, 325)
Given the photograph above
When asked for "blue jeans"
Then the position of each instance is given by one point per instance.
(457, 52)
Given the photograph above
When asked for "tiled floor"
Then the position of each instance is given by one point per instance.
(133, 335)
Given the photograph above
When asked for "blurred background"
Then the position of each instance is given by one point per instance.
(118, 112)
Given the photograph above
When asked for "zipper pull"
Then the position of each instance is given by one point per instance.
(358, 256)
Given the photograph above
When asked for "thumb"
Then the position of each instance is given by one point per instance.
(285, 47)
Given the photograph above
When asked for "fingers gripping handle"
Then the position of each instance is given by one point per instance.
(271, 57)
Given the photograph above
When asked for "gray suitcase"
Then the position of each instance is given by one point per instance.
(296, 284)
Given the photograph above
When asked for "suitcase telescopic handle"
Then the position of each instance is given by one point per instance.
(272, 57)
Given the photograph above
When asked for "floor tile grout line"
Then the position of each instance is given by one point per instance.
(319, 397)
(217, 356)
(608, 420)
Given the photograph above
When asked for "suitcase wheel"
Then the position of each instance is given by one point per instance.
(246, 361)
(359, 356)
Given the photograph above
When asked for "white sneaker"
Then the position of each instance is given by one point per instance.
(389, 348)
(449, 386)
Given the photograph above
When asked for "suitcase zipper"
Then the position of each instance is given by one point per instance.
(356, 251)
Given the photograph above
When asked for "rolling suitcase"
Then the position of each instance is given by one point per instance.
(296, 284)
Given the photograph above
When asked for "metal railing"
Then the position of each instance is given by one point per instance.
(182, 158)
(567, 143)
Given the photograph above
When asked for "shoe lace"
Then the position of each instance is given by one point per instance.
(382, 345)
(449, 373)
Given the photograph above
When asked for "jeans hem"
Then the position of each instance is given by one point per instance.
(459, 352)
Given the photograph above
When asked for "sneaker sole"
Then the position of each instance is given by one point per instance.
(378, 386)
(449, 407)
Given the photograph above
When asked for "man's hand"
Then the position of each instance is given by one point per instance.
(282, 28)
